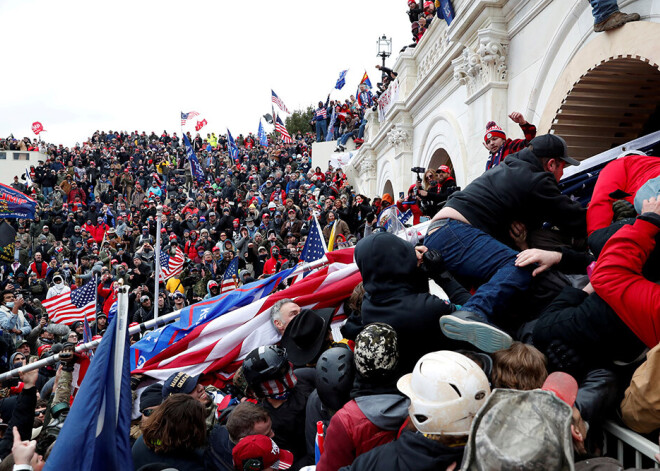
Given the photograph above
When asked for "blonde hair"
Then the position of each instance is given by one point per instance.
(520, 366)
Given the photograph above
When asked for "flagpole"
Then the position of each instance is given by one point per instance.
(159, 216)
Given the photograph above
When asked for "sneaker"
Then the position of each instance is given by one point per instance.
(470, 327)
(615, 20)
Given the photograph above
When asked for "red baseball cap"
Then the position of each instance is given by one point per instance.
(444, 168)
(42, 349)
(264, 450)
(563, 385)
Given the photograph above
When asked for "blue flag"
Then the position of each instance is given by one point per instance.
(263, 140)
(96, 431)
(445, 10)
(192, 316)
(331, 127)
(341, 81)
(195, 168)
(231, 145)
(14, 204)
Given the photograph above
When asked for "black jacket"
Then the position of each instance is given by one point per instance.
(411, 451)
(397, 293)
(518, 190)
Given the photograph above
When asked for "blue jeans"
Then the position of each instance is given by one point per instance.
(345, 137)
(602, 9)
(321, 130)
(468, 251)
(363, 125)
(47, 190)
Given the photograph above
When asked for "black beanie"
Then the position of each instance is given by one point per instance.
(152, 396)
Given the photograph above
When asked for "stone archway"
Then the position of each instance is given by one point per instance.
(440, 157)
(388, 188)
(606, 93)
(613, 103)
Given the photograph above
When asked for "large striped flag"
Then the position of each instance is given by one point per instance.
(231, 146)
(171, 265)
(278, 101)
(217, 348)
(192, 316)
(228, 282)
(73, 306)
(279, 127)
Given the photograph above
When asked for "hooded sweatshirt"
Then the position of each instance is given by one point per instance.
(396, 293)
(361, 425)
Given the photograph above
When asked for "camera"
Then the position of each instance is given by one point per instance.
(418, 169)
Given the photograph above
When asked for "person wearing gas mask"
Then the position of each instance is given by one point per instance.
(58, 288)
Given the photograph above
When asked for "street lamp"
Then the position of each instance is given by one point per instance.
(384, 48)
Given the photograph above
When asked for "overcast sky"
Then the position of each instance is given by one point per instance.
(78, 66)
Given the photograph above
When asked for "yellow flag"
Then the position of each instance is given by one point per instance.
(331, 241)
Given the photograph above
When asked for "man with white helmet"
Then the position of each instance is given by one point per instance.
(446, 389)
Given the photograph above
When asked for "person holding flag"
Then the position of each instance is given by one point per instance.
(263, 139)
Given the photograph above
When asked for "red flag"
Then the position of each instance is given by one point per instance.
(200, 124)
(37, 127)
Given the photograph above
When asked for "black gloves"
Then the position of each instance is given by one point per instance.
(432, 262)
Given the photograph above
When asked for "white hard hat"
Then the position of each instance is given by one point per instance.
(446, 389)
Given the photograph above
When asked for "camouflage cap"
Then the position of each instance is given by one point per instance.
(523, 430)
(376, 351)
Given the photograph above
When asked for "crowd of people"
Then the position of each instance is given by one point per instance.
(550, 307)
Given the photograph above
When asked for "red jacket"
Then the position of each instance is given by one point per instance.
(350, 434)
(628, 175)
(109, 295)
(618, 279)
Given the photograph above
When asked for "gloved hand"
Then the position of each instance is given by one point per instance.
(432, 262)
(562, 357)
(68, 357)
(623, 210)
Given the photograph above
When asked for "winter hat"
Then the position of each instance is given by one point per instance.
(493, 130)
(376, 351)
(260, 452)
(151, 396)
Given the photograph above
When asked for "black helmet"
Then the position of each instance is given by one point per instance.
(265, 363)
(335, 371)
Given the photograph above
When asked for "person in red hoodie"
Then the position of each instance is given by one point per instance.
(108, 292)
(620, 179)
(274, 263)
(618, 277)
(98, 231)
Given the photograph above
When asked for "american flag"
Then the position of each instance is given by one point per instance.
(73, 306)
(187, 116)
(314, 249)
(322, 112)
(228, 282)
(279, 127)
(171, 266)
(278, 101)
(216, 348)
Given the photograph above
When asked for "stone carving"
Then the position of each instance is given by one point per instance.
(487, 64)
(397, 136)
(368, 168)
(433, 55)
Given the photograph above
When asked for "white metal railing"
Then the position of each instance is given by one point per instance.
(631, 448)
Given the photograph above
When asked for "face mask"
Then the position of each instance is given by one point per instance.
(261, 257)
(10, 304)
(275, 253)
